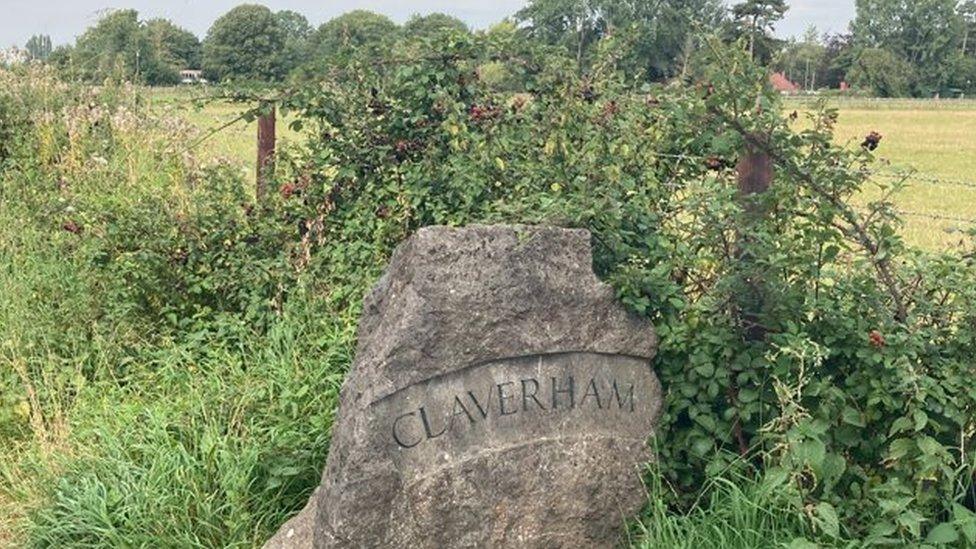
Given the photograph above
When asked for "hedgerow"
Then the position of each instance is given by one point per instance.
(799, 334)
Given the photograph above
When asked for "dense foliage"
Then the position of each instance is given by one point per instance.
(39, 47)
(926, 35)
(798, 333)
(180, 346)
(246, 43)
(121, 47)
(357, 30)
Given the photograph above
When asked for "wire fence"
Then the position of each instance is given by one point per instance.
(936, 217)
(914, 178)
(908, 176)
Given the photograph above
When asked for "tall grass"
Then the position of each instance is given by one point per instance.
(137, 408)
(734, 511)
(200, 449)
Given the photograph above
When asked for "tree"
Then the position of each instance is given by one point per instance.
(62, 59)
(173, 45)
(294, 25)
(297, 34)
(667, 33)
(756, 19)
(356, 30)
(433, 24)
(39, 47)
(661, 34)
(800, 60)
(246, 43)
(924, 33)
(967, 12)
(121, 46)
(116, 47)
(573, 23)
(883, 72)
(839, 56)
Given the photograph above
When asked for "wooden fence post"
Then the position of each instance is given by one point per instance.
(266, 149)
(755, 176)
(755, 171)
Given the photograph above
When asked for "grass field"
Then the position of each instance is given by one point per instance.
(935, 139)
(236, 142)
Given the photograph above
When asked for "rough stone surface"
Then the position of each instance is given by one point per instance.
(500, 397)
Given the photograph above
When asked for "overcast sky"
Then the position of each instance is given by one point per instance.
(66, 19)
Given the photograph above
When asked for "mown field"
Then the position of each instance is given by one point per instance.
(934, 139)
(933, 142)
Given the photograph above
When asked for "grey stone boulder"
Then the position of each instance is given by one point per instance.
(500, 397)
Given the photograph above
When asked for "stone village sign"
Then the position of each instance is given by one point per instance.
(500, 397)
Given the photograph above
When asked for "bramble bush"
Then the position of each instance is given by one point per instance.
(159, 314)
(800, 336)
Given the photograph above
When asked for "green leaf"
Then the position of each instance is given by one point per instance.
(966, 521)
(900, 424)
(702, 446)
(827, 519)
(921, 419)
(811, 452)
(705, 370)
(942, 534)
(930, 446)
(852, 417)
(900, 448)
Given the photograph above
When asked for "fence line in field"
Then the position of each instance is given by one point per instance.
(937, 217)
(894, 174)
(906, 175)
(914, 177)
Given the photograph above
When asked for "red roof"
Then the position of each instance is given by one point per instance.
(782, 84)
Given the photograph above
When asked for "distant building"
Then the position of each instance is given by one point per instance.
(783, 84)
(192, 76)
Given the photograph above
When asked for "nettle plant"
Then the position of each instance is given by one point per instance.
(799, 336)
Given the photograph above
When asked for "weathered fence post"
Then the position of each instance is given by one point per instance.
(755, 169)
(266, 148)
(755, 175)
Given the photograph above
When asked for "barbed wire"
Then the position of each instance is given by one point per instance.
(915, 177)
(938, 217)
(912, 176)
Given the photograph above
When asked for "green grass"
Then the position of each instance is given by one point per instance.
(198, 455)
(734, 511)
(201, 444)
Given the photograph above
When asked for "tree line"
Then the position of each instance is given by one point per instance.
(892, 48)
